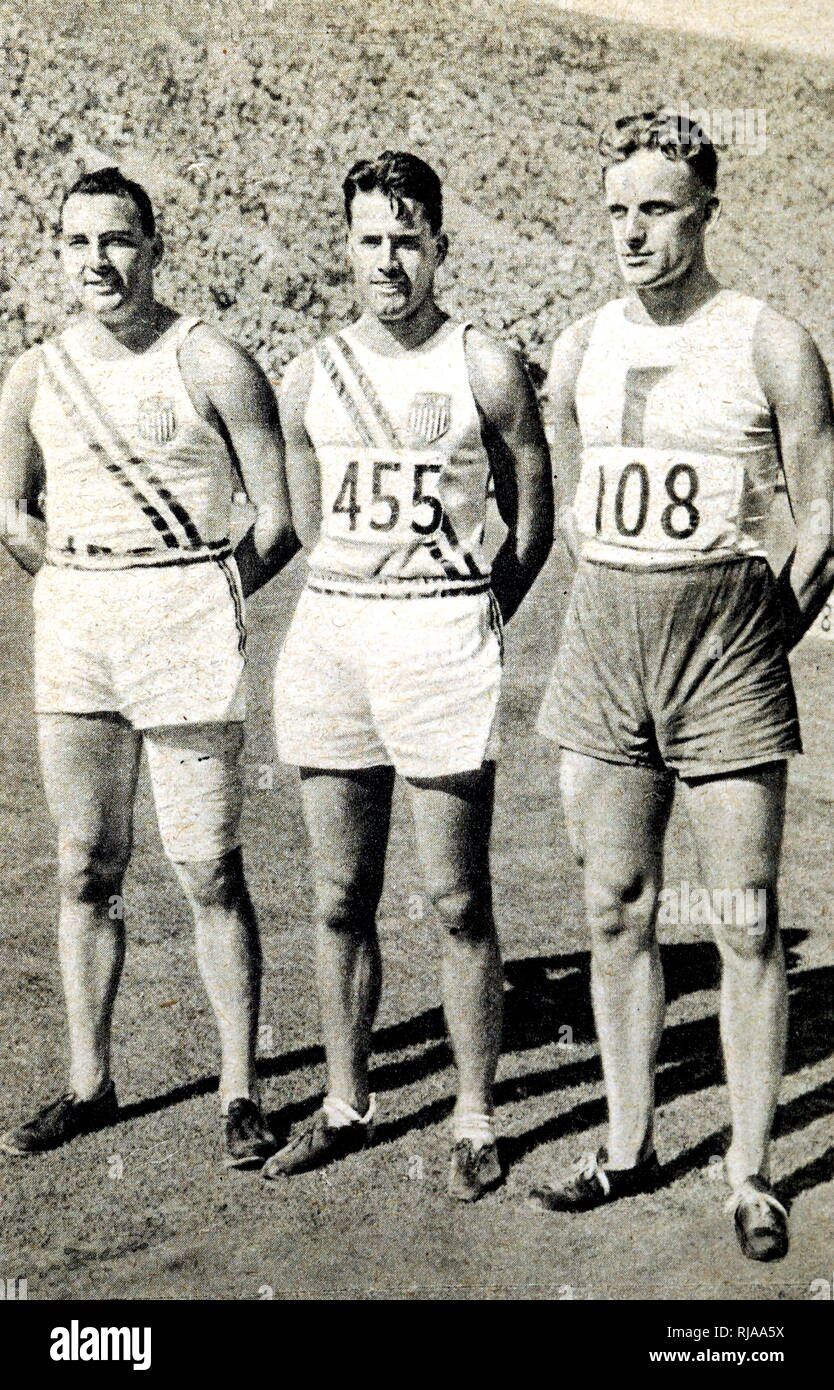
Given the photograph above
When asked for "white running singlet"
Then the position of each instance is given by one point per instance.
(134, 474)
(404, 471)
(680, 461)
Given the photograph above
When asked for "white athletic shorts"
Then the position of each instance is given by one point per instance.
(159, 645)
(412, 682)
(164, 649)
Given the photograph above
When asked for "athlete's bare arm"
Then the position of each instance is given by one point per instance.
(302, 465)
(560, 392)
(229, 388)
(514, 439)
(794, 378)
(22, 532)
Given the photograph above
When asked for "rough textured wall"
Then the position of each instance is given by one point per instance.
(242, 119)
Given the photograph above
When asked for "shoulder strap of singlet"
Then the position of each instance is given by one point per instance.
(180, 330)
(745, 307)
(608, 316)
(460, 331)
(369, 394)
(356, 393)
(603, 324)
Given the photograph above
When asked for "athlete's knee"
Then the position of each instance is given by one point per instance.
(344, 906)
(92, 873)
(212, 883)
(463, 911)
(621, 906)
(745, 921)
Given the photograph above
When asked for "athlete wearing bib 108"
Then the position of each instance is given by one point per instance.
(683, 404)
(135, 419)
(393, 658)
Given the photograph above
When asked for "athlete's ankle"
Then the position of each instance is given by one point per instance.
(477, 1125)
(740, 1165)
(624, 1154)
(341, 1112)
(86, 1086)
(353, 1092)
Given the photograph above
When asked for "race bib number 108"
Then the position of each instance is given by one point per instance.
(658, 499)
(382, 495)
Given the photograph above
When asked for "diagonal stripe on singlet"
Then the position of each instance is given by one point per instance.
(370, 394)
(449, 569)
(367, 394)
(115, 470)
(372, 400)
(342, 390)
(122, 446)
(450, 535)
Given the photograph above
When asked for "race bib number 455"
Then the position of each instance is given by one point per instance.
(382, 494)
(658, 499)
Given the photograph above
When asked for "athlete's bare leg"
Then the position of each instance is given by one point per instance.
(90, 765)
(452, 820)
(347, 816)
(229, 959)
(617, 818)
(737, 823)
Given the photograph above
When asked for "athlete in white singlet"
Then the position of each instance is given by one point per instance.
(679, 460)
(404, 470)
(682, 405)
(393, 659)
(136, 422)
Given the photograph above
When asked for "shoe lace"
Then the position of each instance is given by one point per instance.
(305, 1135)
(48, 1111)
(55, 1105)
(588, 1167)
(762, 1203)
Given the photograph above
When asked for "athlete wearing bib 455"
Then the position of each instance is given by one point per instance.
(393, 659)
(134, 421)
(683, 405)
(404, 476)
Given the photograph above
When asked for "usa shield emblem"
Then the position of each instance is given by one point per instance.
(429, 416)
(157, 419)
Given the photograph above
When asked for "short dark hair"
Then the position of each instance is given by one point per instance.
(114, 182)
(676, 136)
(398, 175)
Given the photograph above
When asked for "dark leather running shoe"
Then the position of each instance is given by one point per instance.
(60, 1121)
(473, 1170)
(760, 1220)
(591, 1184)
(248, 1138)
(317, 1144)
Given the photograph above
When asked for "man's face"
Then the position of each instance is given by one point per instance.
(108, 258)
(394, 255)
(658, 209)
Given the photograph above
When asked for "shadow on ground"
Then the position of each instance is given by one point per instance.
(542, 992)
